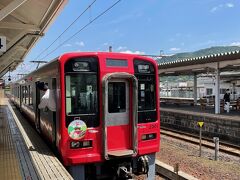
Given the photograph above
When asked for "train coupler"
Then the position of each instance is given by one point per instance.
(143, 165)
(124, 173)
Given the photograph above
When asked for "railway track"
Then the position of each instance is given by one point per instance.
(223, 147)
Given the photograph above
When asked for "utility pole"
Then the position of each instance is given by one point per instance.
(161, 53)
(21, 75)
(38, 63)
(110, 48)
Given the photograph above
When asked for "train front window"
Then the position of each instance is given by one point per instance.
(146, 93)
(81, 94)
(145, 73)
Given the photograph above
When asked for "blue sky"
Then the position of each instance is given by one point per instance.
(143, 27)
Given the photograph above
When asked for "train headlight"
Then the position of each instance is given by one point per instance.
(75, 145)
(144, 137)
(149, 136)
(80, 144)
(87, 144)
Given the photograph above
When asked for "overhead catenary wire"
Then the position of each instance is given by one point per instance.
(89, 6)
(90, 22)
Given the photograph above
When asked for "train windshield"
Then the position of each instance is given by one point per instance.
(145, 73)
(146, 92)
(81, 94)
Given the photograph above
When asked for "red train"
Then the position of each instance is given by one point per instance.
(99, 110)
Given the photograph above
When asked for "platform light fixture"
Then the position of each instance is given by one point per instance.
(198, 69)
(9, 76)
(236, 65)
(170, 72)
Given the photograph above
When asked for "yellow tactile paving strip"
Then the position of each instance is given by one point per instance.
(2, 99)
(9, 164)
(33, 159)
(46, 164)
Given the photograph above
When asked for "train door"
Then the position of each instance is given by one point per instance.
(37, 110)
(54, 89)
(119, 120)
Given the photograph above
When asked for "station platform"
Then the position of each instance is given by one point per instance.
(23, 154)
(225, 126)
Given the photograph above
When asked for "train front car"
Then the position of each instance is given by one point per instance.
(110, 125)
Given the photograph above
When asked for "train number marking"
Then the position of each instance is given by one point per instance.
(153, 126)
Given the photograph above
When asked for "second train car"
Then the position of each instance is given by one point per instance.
(99, 110)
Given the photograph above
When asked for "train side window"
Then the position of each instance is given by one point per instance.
(30, 94)
(26, 95)
(23, 94)
(116, 97)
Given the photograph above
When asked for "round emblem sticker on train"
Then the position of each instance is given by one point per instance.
(77, 129)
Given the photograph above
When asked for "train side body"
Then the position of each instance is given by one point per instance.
(114, 94)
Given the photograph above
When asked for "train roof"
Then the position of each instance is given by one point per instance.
(74, 54)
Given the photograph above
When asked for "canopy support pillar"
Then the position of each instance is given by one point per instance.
(217, 91)
(195, 89)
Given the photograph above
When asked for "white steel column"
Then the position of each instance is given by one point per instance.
(195, 89)
(217, 91)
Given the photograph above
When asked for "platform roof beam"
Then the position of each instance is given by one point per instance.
(10, 8)
(13, 41)
(17, 16)
(23, 22)
(27, 27)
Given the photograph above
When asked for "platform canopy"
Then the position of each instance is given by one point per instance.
(23, 22)
(213, 63)
(227, 61)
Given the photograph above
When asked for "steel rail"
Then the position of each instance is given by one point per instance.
(207, 142)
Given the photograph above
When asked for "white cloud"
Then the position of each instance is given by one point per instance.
(132, 52)
(116, 31)
(214, 9)
(121, 48)
(105, 44)
(220, 6)
(174, 49)
(230, 5)
(178, 34)
(235, 44)
(67, 45)
(81, 43)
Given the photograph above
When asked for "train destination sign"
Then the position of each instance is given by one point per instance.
(2, 43)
